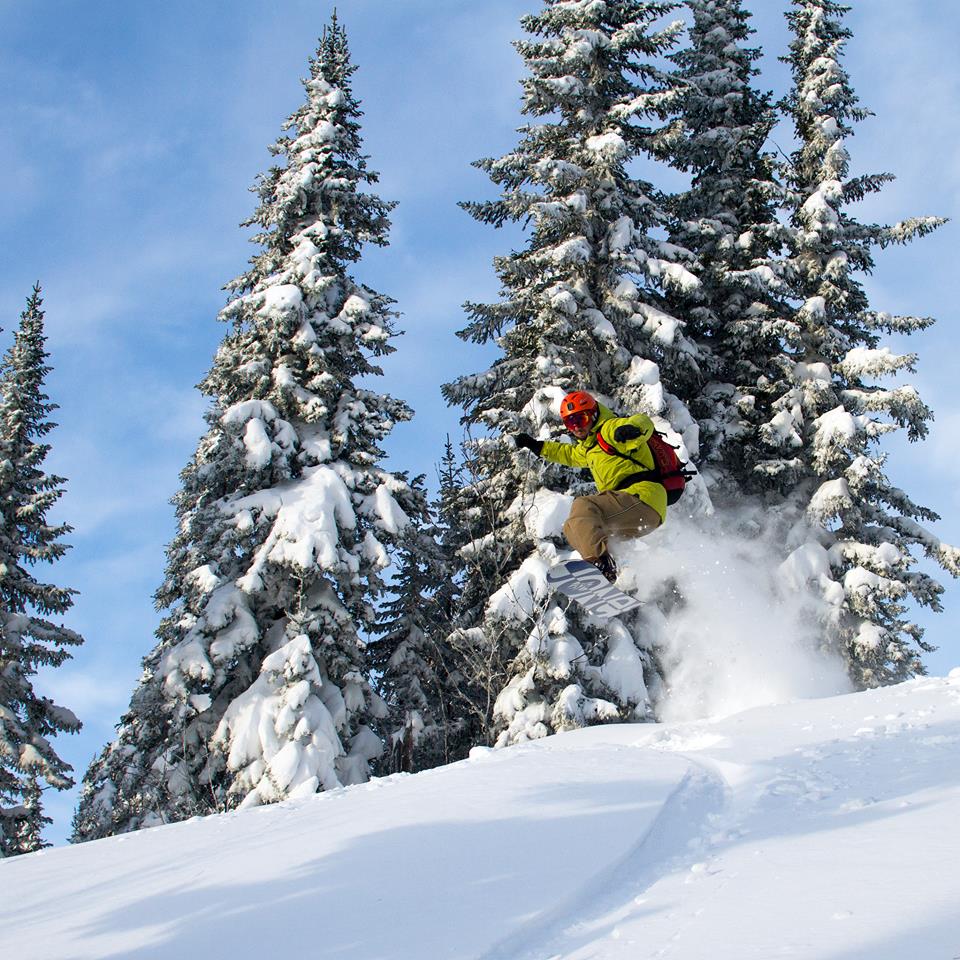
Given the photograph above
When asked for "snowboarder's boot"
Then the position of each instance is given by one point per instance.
(604, 563)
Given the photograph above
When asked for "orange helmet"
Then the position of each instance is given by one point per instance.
(578, 410)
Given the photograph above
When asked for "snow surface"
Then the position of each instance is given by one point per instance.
(813, 829)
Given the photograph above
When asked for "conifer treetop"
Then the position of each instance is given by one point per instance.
(832, 412)
(258, 688)
(726, 218)
(29, 639)
(581, 306)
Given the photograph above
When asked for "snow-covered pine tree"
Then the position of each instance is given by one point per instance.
(855, 534)
(258, 688)
(582, 307)
(449, 532)
(411, 659)
(28, 639)
(467, 670)
(727, 218)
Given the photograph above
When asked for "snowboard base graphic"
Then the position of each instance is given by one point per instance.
(584, 583)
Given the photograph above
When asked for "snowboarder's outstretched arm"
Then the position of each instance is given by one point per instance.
(565, 453)
(568, 454)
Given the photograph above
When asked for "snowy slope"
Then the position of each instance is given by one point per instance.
(815, 829)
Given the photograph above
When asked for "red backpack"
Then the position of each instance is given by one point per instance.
(669, 469)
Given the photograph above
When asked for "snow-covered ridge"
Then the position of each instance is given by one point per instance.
(814, 829)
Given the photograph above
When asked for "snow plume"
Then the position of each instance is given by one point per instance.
(734, 631)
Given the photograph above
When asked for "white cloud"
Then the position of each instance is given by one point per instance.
(86, 692)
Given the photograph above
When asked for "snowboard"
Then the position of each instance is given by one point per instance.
(584, 583)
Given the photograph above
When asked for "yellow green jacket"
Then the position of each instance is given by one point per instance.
(607, 468)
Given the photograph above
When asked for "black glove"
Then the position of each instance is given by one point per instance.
(524, 440)
(627, 432)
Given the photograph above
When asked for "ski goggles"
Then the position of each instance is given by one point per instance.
(579, 421)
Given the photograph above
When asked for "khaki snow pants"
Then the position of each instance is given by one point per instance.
(593, 519)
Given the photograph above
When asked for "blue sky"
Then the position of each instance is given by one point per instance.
(129, 137)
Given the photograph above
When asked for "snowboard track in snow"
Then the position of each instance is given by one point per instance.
(664, 848)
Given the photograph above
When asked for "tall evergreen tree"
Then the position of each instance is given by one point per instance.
(414, 665)
(450, 533)
(258, 687)
(28, 638)
(853, 532)
(582, 307)
(728, 219)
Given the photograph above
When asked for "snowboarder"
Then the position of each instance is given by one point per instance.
(628, 502)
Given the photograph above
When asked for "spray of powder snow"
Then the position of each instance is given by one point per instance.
(735, 634)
